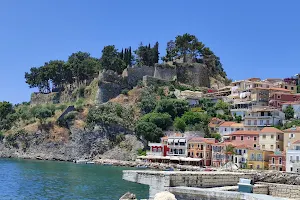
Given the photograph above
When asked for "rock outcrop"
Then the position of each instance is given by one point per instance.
(81, 144)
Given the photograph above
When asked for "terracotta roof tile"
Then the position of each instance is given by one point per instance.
(237, 125)
(293, 130)
(225, 124)
(296, 142)
(201, 139)
(245, 133)
(270, 130)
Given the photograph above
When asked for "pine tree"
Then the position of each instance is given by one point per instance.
(122, 54)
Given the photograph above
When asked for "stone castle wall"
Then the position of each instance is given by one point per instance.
(165, 72)
(194, 74)
(135, 74)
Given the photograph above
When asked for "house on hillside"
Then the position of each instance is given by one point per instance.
(296, 107)
(277, 99)
(249, 138)
(258, 159)
(214, 124)
(225, 128)
(271, 139)
(259, 117)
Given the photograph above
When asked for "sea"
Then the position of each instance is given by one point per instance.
(43, 180)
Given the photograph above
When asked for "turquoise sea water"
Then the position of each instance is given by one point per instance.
(29, 179)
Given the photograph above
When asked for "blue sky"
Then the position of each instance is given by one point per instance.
(253, 39)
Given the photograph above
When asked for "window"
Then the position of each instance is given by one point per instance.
(248, 137)
(254, 145)
(255, 122)
(278, 146)
(292, 135)
(258, 166)
(225, 129)
(189, 154)
(208, 146)
(291, 169)
(263, 146)
(254, 138)
(272, 146)
(291, 158)
(207, 155)
(232, 129)
(297, 158)
(285, 87)
(197, 154)
(273, 160)
(244, 151)
(198, 145)
(201, 155)
(278, 137)
(292, 88)
(261, 122)
(272, 136)
(280, 161)
(233, 138)
(242, 137)
(264, 136)
(249, 122)
(278, 97)
(189, 146)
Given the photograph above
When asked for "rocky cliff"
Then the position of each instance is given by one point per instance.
(79, 144)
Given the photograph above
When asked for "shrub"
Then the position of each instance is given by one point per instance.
(120, 138)
(62, 107)
(43, 113)
(141, 152)
(81, 92)
(148, 100)
(125, 92)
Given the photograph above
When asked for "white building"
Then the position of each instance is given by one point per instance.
(156, 149)
(293, 158)
(227, 128)
(177, 146)
(259, 117)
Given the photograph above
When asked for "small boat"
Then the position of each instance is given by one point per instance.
(169, 169)
(107, 164)
(90, 162)
(142, 166)
(80, 161)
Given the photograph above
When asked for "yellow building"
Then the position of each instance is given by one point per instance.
(271, 139)
(258, 159)
(291, 135)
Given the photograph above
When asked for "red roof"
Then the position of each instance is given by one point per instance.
(227, 124)
(296, 142)
(292, 130)
(204, 140)
(270, 130)
(245, 133)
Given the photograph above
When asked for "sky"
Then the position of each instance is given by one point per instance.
(253, 38)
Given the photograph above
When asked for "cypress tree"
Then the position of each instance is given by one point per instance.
(122, 54)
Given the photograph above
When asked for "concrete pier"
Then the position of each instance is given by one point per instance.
(162, 180)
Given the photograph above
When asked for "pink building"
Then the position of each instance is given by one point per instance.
(249, 138)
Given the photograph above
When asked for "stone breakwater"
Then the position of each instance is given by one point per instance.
(140, 164)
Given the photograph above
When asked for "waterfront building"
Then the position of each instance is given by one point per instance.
(271, 139)
(177, 145)
(249, 138)
(241, 155)
(199, 147)
(293, 157)
(220, 156)
(291, 135)
(258, 159)
(277, 161)
(156, 149)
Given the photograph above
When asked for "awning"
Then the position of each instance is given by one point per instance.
(170, 140)
(176, 140)
(182, 140)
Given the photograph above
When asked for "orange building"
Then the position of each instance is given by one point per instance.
(277, 161)
(199, 147)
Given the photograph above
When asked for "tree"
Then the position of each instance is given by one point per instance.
(6, 108)
(149, 131)
(179, 124)
(161, 120)
(111, 60)
(171, 51)
(217, 136)
(147, 55)
(155, 53)
(229, 150)
(289, 112)
(175, 107)
(221, 105)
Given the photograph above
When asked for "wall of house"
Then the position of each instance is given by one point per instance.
(247, 139)
(195, 152)
(289, 139)
(268, 143)
(292, 165)
(276, 165)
